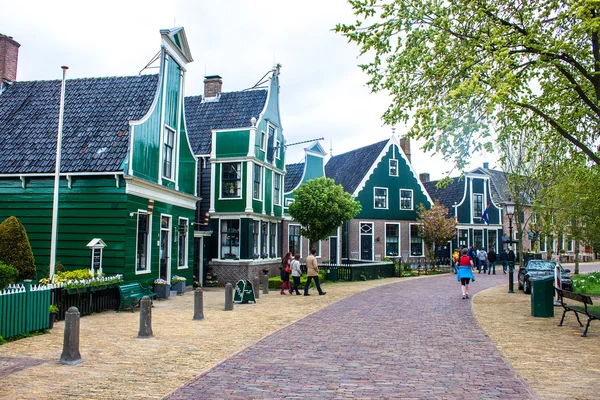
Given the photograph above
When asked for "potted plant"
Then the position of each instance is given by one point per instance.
(255, 256)
(53, 313)
(162, 288)
(178, 284)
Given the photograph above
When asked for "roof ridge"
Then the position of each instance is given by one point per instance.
(222, 93)
(361, 148)
(88, 78)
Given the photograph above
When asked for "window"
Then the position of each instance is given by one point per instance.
(255, 242)
(294, 239)
(142, 257)
(278, 150)
(264, 236)
(273, 241)
(393, 167)
(406, 199)
(463, 237)
(168, 153)
(392, 239)
(182, 241)
(231, 180)
(492, 240)
(478, 239)
(381, 198)
(416, 242)
(288, 202)
(230, 239)
(263, 140)
(257, 187)
(543, 241)
(477, 205)
(277, 189)
(569, 244)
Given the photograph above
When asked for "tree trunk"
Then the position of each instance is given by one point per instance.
(576, 256)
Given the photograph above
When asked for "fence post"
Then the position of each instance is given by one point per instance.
(256, 287)
(198, 305)
(70, 354)
(228, 297)
(145, 318)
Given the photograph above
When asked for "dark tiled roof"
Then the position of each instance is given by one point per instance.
(95, 128)
(293, 175)
(499, 185)
(233, 110)
(350, 168)
(453, 193)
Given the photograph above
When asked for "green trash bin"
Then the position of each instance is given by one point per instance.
(332, 273)
(542, 297)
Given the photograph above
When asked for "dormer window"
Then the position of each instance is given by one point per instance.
(393, 167)
(168, 153)
(477, 205)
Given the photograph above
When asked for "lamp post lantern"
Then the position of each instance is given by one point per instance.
(509, 207)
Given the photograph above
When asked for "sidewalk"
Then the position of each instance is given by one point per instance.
(117, 365)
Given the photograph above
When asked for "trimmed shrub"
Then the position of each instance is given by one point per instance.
(15, 249)
(275, 282)
(8, 275)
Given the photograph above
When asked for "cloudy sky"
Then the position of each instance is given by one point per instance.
(323, 92)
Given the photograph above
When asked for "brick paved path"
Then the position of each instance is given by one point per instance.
(413, 339)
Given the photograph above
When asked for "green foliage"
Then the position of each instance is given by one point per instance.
(15, 249)
(435, 227)
(588, 284)
(78, 274)
(53, 308)
(320, 207)
(8, 275)
(175, 279)
(465, 71)
(59, 267)
(275, 282)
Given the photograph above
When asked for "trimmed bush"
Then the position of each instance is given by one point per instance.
(275, 282)
(15, 249)
(8, 275)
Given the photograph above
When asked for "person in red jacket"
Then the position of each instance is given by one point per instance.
(465, 273)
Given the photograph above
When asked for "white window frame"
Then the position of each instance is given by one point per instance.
(475, 216)
(390, 170)
(165, 153)
(186, 241)
(399, 238)
(221, 254)
(543, 243)
(278, 152)
(277, 178)
(169, 244)
(375, 197)
(149, 245)
(412, 200)
(410, 242)
(241, 180)
(260, 181)
(263, 140)
(318, 255)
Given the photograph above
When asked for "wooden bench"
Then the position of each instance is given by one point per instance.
(132, 293)
(577, 309)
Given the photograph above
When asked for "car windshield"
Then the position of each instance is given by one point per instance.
(541, 265)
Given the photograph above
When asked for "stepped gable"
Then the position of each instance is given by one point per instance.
(95, 128)
(350, 168)
(230, 110)
(293, 176)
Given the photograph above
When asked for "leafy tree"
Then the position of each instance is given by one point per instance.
(320, 207)
(462, 70)
(436, 227)
(15, 249)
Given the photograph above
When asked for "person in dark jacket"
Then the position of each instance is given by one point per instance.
(285, 273)
(492, 259)
(504, 259)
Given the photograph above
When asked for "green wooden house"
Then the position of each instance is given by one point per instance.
(128, 173)
(238, 140)
(381, 177)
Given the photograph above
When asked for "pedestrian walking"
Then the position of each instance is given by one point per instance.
(296, 273)
(482, 256)
(504, 259)
(285, 273)
(473, 256)
(465, 273)
(312, 272)
(492, 261)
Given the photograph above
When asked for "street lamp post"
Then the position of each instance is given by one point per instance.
(509, 207)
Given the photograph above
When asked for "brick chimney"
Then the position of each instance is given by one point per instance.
(405, 145)
(9, 54)
(424, 177)
(486, 165)
(212, 86)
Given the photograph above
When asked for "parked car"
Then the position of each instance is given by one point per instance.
(538, 268)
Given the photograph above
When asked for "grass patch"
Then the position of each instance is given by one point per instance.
(587, 283)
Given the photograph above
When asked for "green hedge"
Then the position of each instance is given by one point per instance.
(8, 275)
(275, 282)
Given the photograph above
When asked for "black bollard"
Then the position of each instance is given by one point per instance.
(228, 297)
(266, 284)
(256, 287)
(145, 318)
(70, 354)
(198, 305)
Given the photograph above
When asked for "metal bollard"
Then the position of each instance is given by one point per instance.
(70, 354)
(198, 305)
(266, 284)
(256, 287)
(228, 297)
(145, 318)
